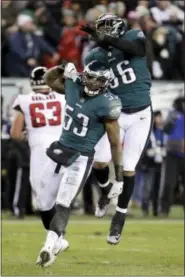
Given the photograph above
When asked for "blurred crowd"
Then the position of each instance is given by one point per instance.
(160, 177)
(45, 32)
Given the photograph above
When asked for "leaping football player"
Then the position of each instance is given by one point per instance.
(125, 53)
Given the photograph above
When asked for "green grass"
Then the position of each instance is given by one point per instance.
(148, 247)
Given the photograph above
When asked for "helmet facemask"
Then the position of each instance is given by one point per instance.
(111, 25)
(94, 85)
(95, 80)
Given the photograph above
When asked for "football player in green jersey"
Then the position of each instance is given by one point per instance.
(91, 110)
(125, 54)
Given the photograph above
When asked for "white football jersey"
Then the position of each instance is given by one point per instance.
(44, 115)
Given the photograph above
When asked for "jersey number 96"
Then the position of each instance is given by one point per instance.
(128, 76)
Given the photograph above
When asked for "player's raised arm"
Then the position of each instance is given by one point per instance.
(54, 78)
(135, 46)
(111, 30)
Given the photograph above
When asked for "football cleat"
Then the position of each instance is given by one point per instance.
(61, 245)
(102, 206)
(116, 228)
(46, 257)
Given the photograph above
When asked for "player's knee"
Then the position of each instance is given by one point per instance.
(64, 202)
(99, 165)
(43, 206)
(129, 173)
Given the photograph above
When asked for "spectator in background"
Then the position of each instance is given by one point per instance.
(47, 25)
(26, 48)
(53, 7)
(76, 7)
(167, 40)
(175, 159)
(70, 46)
(152, 165)
(133, 20)
(104, 6)
(167, 13)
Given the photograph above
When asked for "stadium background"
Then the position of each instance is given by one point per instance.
(56, 23)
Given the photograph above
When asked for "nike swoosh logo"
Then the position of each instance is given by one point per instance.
(142, 118)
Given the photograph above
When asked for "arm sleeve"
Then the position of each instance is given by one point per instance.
(111, 109)
(132, 43)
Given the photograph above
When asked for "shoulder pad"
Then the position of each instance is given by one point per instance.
(134, 34)
(114, 106)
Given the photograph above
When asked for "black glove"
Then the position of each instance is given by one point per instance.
(97, 37)
(88, 29)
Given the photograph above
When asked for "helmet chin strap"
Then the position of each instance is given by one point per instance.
(91, 92)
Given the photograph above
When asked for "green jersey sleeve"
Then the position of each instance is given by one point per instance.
(110, 107)
(134, 34)
(73, 87)
(96, 54)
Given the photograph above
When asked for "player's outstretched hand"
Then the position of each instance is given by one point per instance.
(116, 189)
(89, 29)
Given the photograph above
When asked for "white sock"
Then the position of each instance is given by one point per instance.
(104, 185)
(123, 211)
(51, 240)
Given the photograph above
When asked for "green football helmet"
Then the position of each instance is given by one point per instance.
(96, 77)
(110, 24)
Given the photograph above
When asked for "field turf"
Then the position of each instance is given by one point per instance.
(148, 247)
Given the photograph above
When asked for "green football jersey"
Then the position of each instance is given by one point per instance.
(131, 77)
(85, 116)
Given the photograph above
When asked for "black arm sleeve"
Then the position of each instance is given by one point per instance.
(134, 48)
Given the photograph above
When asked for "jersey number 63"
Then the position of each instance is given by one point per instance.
(39, 111)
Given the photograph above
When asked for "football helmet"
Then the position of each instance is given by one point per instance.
(110, 24)
(36, 78)
(96, 77)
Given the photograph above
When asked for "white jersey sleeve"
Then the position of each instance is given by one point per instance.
(44, 114)
(17, 104)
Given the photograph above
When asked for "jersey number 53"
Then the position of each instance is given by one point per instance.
(38, 112)
(81, 132)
